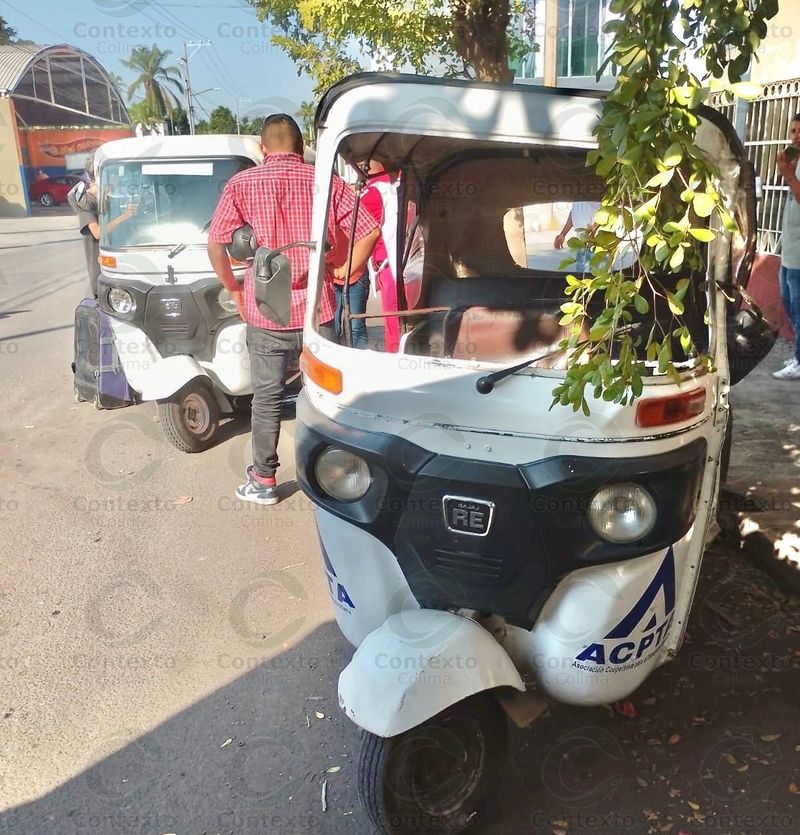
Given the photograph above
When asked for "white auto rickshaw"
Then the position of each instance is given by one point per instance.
(483, 550)
(176, 329)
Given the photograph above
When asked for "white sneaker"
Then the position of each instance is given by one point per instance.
(790, 371)
(790, 361)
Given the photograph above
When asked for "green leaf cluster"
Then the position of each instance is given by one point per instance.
(662, 195)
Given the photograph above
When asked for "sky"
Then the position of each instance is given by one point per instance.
(241, 60)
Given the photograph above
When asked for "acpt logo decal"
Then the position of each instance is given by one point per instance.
(338, 591)
(629, 643)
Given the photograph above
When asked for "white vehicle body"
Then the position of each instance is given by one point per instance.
(584, 620)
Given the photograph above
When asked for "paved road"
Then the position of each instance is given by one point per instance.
(169, 666)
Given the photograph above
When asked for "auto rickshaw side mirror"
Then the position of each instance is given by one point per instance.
(272, 279)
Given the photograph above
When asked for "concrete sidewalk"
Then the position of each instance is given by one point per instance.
(762, 494)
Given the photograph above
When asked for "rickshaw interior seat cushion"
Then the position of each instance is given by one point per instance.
(504, 334)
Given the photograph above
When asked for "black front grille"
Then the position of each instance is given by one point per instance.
(178, 331)
(178, 318)
(476, 565)
(538, 533)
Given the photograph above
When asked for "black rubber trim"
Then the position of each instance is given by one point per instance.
(540, 530)
(191, 333)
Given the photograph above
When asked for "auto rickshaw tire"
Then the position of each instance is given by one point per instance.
(194, 403)
(474, 731)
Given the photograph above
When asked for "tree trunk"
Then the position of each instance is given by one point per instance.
(480, 31)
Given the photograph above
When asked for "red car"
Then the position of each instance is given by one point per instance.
(52, 190)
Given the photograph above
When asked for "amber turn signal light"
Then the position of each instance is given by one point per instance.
(108, 261)
(325, 376)
(661, 411)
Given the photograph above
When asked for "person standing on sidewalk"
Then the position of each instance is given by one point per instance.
(788, 164)
(581, 216)
(275, 199)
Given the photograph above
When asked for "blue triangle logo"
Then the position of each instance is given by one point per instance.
(664, 579)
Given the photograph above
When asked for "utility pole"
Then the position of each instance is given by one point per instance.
(238, 123)
(187, 83)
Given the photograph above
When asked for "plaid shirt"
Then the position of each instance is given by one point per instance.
(276, 200)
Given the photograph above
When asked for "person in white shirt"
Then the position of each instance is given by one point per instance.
(582, 218)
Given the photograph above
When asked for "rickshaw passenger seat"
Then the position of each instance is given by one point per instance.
(493, 318)
(505, 334)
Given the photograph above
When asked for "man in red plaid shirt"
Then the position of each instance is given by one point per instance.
(276, 200)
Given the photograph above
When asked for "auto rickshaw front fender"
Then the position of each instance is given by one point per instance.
(418, 663)
(168, 376)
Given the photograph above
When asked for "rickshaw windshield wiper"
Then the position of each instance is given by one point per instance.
(486, 384)
(177, 250)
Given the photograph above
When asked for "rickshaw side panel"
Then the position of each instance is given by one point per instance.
(155, 377)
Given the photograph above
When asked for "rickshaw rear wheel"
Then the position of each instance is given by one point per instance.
(437, 776)
(190, 418)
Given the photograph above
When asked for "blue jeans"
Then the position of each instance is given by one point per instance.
(790, 296)
(359, 292)
(582, 258)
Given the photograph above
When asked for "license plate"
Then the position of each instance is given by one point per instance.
(468, 516)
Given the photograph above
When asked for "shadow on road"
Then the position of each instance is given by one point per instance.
(5, 314)
(709, 742)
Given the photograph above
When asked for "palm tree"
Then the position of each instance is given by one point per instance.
(306, 113)
(116, 80)
(158, 82)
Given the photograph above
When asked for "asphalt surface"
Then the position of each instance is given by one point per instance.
(168, 659)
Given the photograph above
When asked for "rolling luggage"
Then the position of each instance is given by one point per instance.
(98, 376)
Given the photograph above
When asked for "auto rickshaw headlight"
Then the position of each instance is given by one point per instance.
(226, 302)
(342, 474)
(121, 301)
(622, 512)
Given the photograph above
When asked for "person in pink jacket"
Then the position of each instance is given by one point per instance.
(379, 198)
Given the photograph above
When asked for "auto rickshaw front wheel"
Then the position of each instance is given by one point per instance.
(190, 418)
(435, 777)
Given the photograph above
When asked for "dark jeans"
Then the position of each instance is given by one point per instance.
(790, 296)
(359, 292)
(272, 353)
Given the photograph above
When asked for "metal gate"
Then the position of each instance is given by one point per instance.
(766, 131)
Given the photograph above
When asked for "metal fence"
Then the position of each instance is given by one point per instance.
(765, 130)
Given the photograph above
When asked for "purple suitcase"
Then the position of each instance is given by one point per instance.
(97, 372)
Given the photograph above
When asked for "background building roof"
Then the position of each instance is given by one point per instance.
(59, 85)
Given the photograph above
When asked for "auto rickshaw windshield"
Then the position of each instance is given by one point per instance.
(485, 246)
(161, 202)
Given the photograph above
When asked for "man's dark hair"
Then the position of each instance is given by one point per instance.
(281, 133)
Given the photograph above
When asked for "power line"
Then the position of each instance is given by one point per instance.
(215, 63)
(37, 22)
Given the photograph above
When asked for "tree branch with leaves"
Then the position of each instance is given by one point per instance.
(662, 198)
(442, 37)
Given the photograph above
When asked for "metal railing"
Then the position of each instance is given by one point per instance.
(766, 131)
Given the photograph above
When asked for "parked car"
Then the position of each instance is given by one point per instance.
(52, 190)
